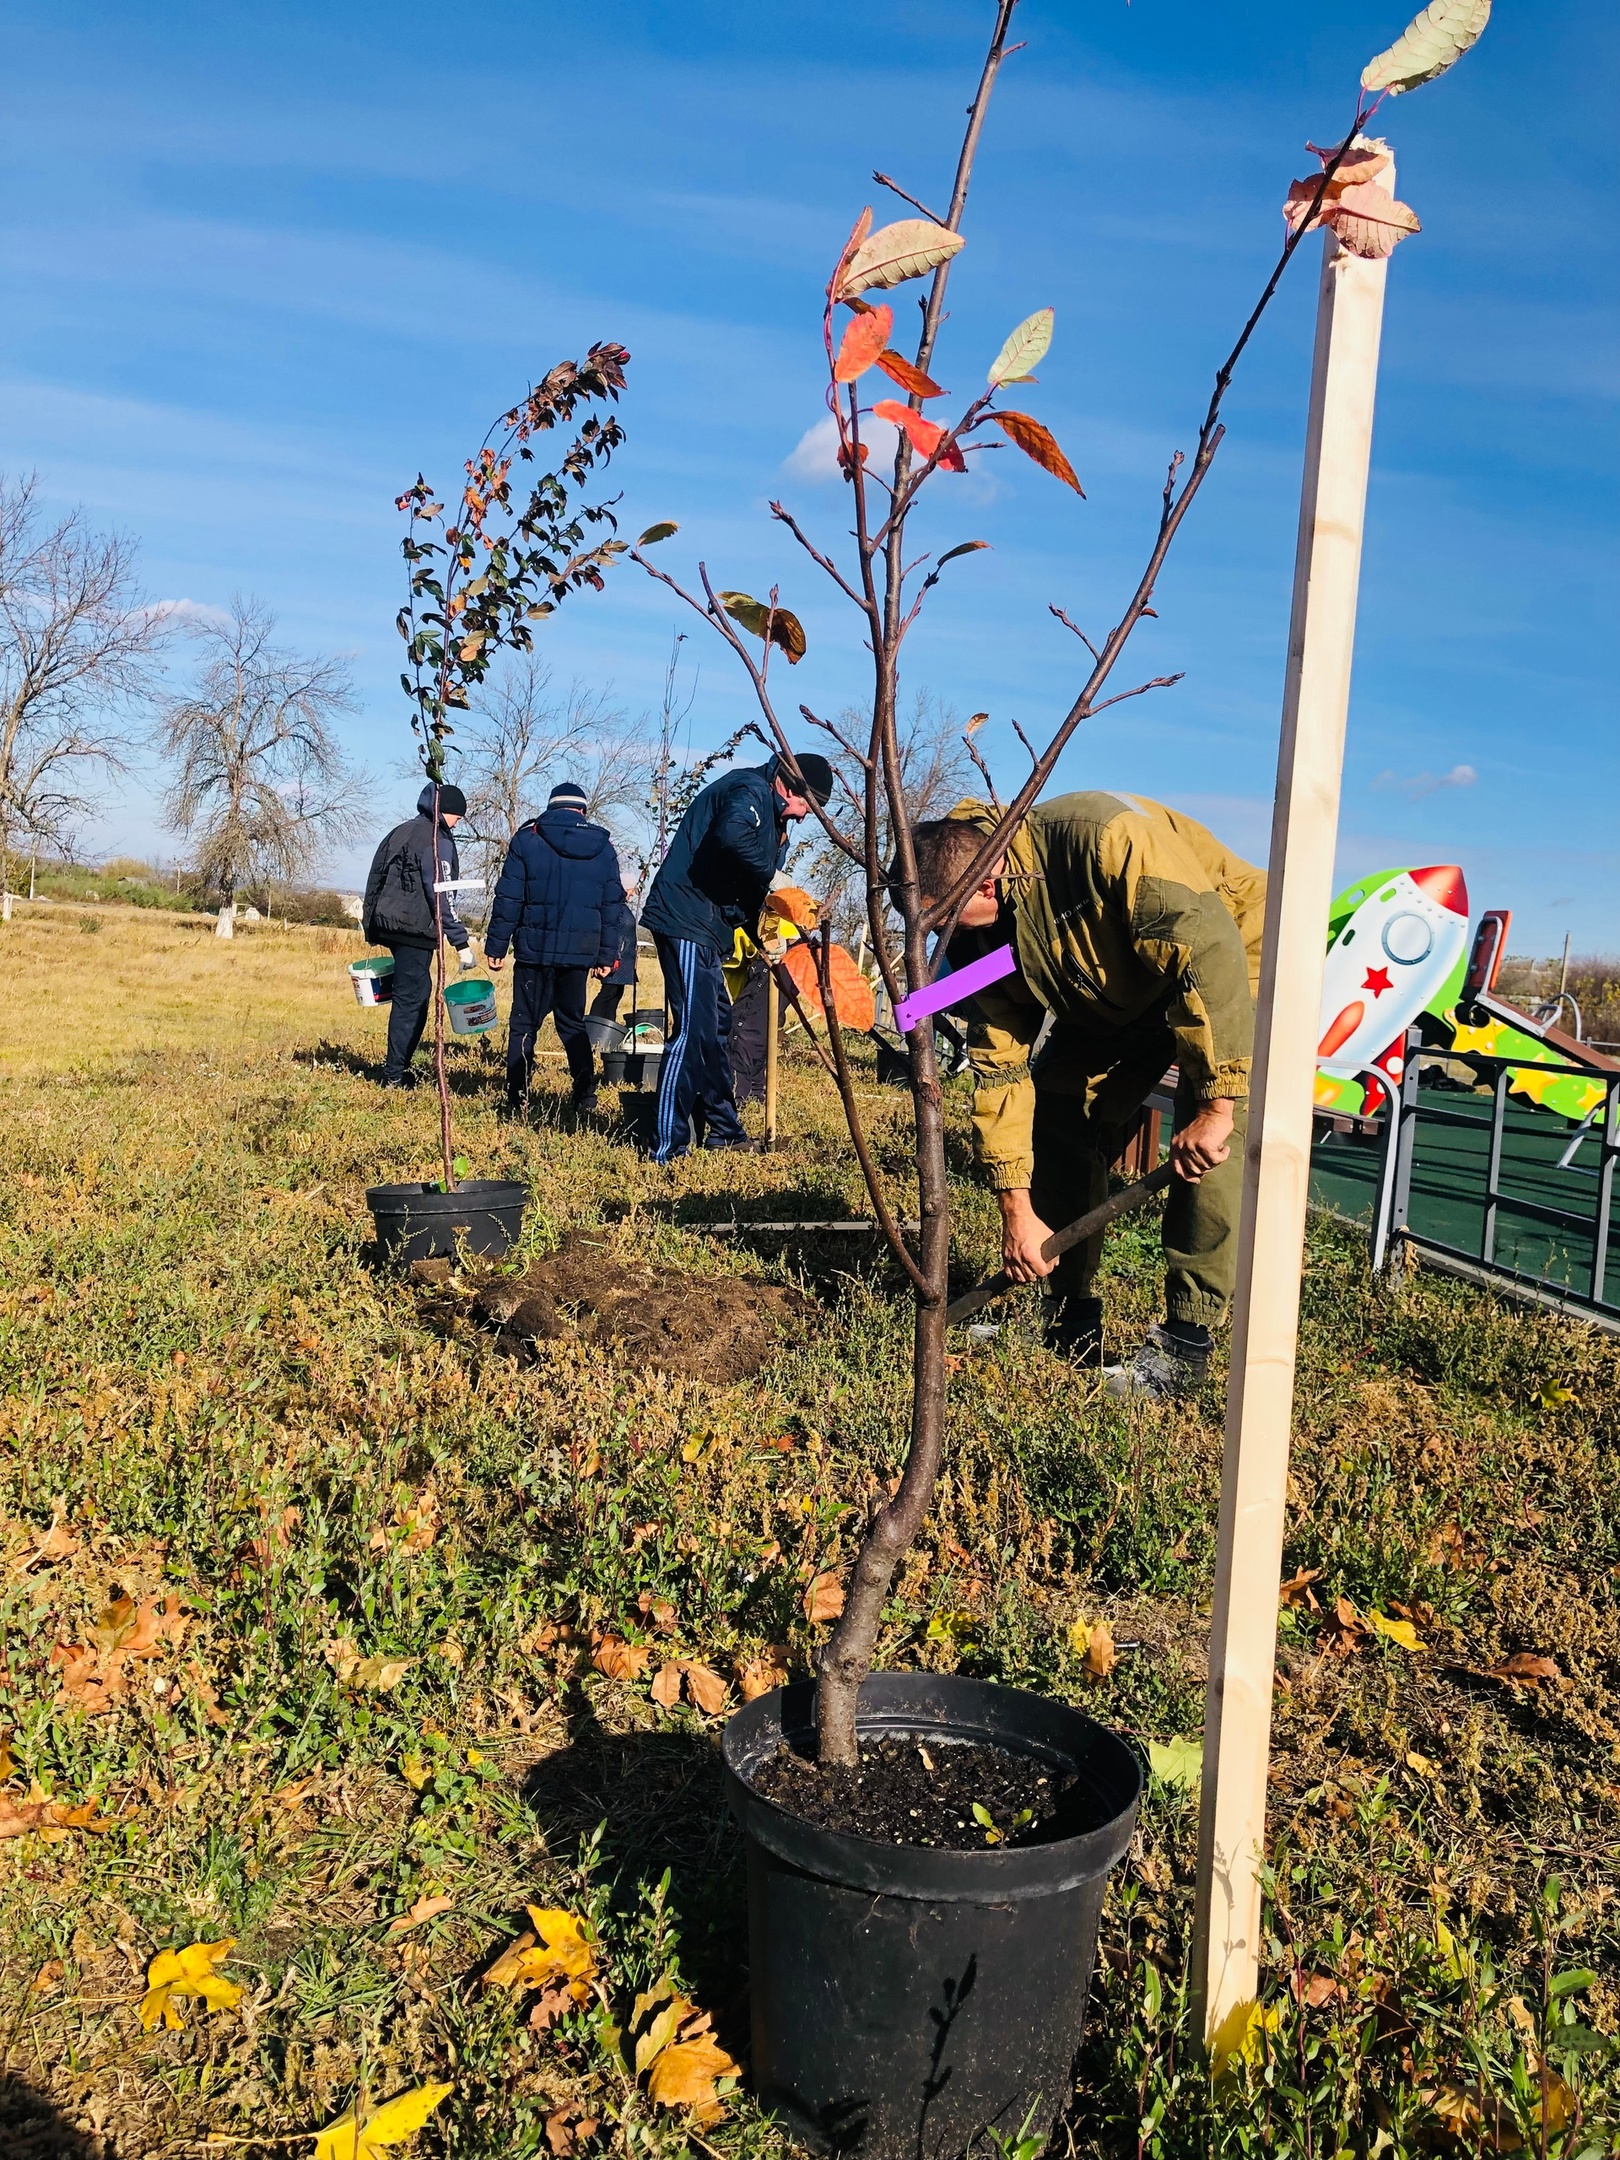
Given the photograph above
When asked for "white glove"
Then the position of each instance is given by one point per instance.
(468, 958)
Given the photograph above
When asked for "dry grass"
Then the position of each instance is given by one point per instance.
(208, 1380)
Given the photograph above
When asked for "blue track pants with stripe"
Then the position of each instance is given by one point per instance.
(695, 1087)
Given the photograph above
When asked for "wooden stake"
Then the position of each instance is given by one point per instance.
(1254, 1477)
(772, 1029)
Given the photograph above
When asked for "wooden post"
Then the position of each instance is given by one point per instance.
(772, 1016)
(1254, 1477)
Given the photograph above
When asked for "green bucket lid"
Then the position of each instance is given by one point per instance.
(468, 992)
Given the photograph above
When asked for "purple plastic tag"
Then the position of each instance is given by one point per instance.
(961, 983)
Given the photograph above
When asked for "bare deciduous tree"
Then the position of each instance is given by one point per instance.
(261, 785)
(77, 652)
(523, 737)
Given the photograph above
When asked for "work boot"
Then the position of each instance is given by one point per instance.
(1173, 1361)
(396, 1080)
(583, 1099)
(1073, 1328)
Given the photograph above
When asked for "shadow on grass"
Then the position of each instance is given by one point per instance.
(33, 2128)
(659, 1796)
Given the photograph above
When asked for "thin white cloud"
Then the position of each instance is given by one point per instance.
(814, 457)
(191, 611)
(1416, 786)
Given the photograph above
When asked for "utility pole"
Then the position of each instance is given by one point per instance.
(1254, 1477)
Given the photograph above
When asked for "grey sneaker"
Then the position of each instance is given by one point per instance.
(1167, 1365)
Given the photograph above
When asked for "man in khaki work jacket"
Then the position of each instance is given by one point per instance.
(1139, 934)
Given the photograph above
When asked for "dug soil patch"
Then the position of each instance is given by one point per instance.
(716, 1328)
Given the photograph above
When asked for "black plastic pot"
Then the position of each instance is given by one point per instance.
(418, 1222)
(907, 2000)
(613, 1065)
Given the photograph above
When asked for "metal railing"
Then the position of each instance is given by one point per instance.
(1391, 1223)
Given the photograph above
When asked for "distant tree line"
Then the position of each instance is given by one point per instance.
(244, 738)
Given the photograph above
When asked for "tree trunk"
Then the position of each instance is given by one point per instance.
(225, 921)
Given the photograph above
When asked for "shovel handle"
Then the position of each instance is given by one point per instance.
(1124, 1202)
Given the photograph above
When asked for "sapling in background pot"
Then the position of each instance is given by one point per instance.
(928, 1854)
(480, 573)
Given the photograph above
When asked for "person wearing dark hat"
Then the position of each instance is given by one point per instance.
(559, 905)
(713, 882)
(398, 911)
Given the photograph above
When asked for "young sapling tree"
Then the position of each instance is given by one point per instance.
(483, 570)
(888, 588)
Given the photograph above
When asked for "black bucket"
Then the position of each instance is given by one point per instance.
(613, 1067)
(418, 1222)
(907, 2000)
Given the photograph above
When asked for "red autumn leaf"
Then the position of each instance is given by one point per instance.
(1039, 443)
(925, 436)
(1369, 221)
(911, 379)
(863, 342)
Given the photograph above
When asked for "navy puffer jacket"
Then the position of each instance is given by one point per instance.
(560, 901)
(729, 846)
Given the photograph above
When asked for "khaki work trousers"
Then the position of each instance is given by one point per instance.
(1089, 1084)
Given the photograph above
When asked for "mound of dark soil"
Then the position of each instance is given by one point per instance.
(703, 1328)
(907, 1792)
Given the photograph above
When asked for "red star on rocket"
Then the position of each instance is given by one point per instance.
(1377, 981)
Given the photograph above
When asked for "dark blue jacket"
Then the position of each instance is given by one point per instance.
(559, 900)
(728, 847)
(398, 904)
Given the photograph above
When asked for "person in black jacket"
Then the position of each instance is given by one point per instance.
(398, 912)
(712, 883)
(560, 903)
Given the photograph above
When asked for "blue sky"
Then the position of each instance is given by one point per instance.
(265, 264)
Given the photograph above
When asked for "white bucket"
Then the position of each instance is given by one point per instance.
(373, 980)
(471, 1006)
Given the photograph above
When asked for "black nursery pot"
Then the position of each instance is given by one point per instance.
(418, 1222)
(907, 2000)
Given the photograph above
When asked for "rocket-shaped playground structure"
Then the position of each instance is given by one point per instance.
(1390, 958)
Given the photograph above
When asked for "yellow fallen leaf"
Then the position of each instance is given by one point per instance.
(1398, 1631)
(174, 1973)
(1420, 1763)
(562, 1954)
(661, 2032)
(684, 2075)
(391, 2124)
(381, 1673)
(1080, 1637)
(1241, 2036)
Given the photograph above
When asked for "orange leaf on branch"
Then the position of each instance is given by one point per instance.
(925, 436)
(1039, 443)
(852, 994)
(910, 378)
(862, 344)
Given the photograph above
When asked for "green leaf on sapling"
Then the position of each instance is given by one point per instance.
(1024, 349)
(1430, 43)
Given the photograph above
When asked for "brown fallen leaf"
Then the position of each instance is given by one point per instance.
(666, 1687)
(757, 1676)
(1101, 1656)
(1297, 1590)
(425, 1908)
(48, 1978)
(1318, 1990)
(1523, 1669)
(58, 1543)
(824, 1598)
(621, 1660)
(705, 1687)
(551, 2004)
(84, 1684)
(658, 1610)
(18, 1818)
